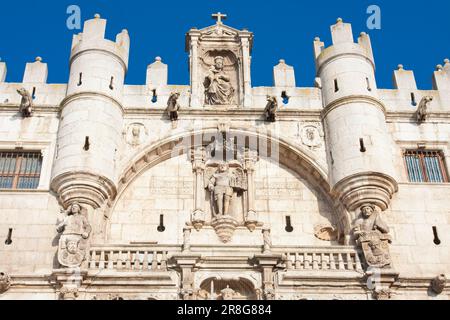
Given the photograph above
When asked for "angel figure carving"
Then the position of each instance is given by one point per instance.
(218, 89)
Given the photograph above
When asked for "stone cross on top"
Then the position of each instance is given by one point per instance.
(219, 16)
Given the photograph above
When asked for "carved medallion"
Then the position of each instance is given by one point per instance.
(311, 135)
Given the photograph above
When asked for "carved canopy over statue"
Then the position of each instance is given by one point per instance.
(75, 230)
(218, 87)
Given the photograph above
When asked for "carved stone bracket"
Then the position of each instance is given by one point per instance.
(224, 227)
(69, 282)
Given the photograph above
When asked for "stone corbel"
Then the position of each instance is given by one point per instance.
(251, 217)
(69, 282)
(198, 157)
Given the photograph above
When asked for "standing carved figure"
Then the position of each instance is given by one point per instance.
(271, 109)
(218, 89)
(422, 111)
(75, 230)
(173, 106)
(26, 104)
(373, 235)
(221, 185)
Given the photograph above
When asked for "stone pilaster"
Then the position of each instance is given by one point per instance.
(251, 219)
(198, 157)
(186, 264)
(267, 264)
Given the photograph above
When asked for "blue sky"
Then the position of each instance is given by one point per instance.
(414, 34)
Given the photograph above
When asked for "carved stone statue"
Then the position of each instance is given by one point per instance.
(218, 89)
(271, 109)
(422, 111)
(373, 235)
(75, 230)
(228, 293)
(5, 282)
(173, 106)
(438, 284)
(221, 185)
(26, 104)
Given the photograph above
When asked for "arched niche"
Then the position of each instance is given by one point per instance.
(176, 151)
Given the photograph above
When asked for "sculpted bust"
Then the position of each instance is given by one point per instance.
(218, 89)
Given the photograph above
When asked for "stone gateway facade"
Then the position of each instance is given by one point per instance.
(218, 190)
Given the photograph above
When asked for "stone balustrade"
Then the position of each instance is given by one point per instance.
(328, 258)
(130, 258)
(156, 257)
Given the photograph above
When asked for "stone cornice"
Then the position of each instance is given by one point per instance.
(353, 99)
(90, 94)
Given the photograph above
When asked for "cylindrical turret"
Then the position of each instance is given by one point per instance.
(91, 117)
(359, 149)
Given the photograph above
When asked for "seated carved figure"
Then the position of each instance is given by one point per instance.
(218, 89)
(26, 104)
(373, 235)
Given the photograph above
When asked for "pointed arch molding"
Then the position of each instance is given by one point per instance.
(300, 160)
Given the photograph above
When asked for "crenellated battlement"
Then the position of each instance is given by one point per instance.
(107, 63)
(343, 44)
(93, 38)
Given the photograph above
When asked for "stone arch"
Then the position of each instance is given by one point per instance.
(244, 288)
(298, 159)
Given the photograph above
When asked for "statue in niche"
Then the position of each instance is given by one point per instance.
(75, 230)
(271, 109)
(222, 185)
(373, 235)
(26, 104)
(218, 88)
(173, 106)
